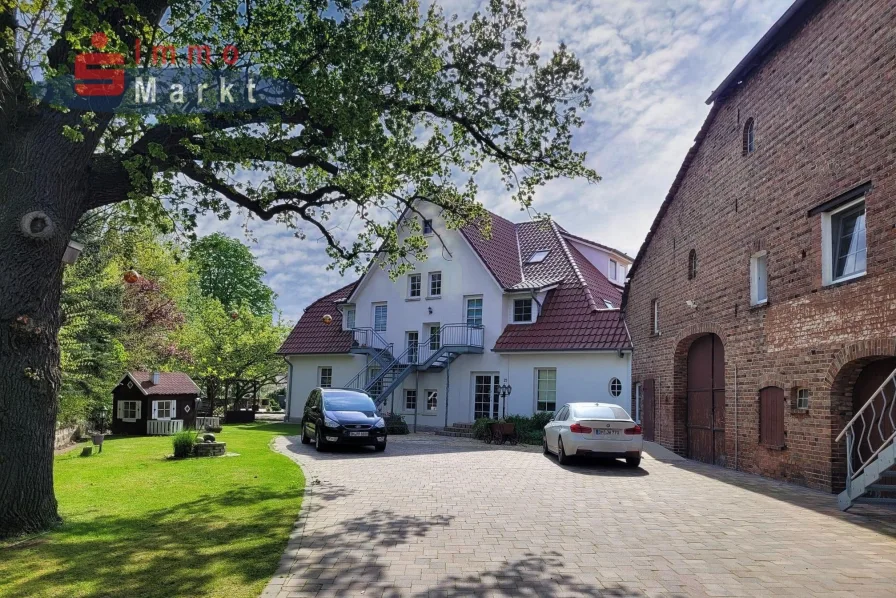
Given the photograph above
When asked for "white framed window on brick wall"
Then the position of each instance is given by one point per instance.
(759, 278)
(802, 399)
(655, 316)
(843, 242)
(129, 411)
(545, 389)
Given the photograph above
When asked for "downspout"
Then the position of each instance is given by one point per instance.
(735, 417)
(447, 388)
(288, 388)
(417, 402)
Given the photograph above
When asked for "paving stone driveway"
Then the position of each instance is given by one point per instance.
(439, 516)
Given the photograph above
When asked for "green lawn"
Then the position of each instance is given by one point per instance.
(136, 524)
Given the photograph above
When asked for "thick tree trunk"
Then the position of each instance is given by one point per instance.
(43, 188)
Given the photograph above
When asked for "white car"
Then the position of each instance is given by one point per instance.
(597, 429)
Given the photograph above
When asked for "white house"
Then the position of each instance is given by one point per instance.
(532, 306)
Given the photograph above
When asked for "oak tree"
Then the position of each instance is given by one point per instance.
(392, 104)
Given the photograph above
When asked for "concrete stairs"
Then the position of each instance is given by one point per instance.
(457, 430)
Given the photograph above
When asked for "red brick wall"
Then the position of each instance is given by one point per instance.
(825, 111)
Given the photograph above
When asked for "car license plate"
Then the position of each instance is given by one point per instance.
(606, 432)
(357, 433)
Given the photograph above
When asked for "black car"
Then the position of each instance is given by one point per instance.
(342, 416)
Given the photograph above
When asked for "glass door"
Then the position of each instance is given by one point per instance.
(486, 396)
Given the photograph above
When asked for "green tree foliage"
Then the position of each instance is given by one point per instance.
(228, 272)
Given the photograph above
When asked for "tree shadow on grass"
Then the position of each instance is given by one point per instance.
(176, 551)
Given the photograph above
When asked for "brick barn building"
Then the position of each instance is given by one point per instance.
(762, 305)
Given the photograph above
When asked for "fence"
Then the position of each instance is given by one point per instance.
(208, 422)
(164, 427)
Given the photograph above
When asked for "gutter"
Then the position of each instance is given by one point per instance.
(288, 389)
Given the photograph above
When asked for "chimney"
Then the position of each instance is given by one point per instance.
(156, 377)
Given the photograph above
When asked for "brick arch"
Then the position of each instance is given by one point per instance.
(682, 344)
(878, 347)
(844, 371)
(692, 331)
(766, 381)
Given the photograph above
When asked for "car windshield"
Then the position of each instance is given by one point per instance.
(348, 401)
(599, 412)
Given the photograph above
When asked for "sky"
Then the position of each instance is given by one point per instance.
(651, 63)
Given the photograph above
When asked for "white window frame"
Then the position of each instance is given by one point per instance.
(407, 405)
(349, 316)
(385, 306)
(432, 276)
(467, 309)
(418, 278)
(531, 319)
(610, 387)
(827, 257)
(122, 407)
(802, 399)
(407, 345)
(638, 391)
(656, 316)
(320, 376)
(614, 269)
(538, 398)
(538, 256)
(432, 394)
(172, 409)
(760, 257)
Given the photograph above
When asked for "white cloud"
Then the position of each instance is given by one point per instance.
(652, 64)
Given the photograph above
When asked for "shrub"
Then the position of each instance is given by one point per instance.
(274, 408)
(395, 424)
(183, 443)
(481, 428)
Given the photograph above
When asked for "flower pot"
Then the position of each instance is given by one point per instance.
(98, 439)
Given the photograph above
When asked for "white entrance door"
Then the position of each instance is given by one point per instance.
(486, 396)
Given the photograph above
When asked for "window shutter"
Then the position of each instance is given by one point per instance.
(120, 409)
(139, 408)
(155, 410)
(771, 416)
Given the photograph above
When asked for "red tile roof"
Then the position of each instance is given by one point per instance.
(311, 336)
(170, 383)
(573, 317)
(500, 251)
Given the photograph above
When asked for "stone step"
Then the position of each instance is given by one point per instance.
(464, 425)
(458, 430)
(454, 434)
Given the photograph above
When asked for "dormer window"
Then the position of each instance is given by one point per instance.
(608, 304)
(522, 311)
(537, 257)
(427, 227)
(613, 268)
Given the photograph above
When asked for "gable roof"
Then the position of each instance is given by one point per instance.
(170, 383)
(311, 335)
(573, 316)
(785, 27)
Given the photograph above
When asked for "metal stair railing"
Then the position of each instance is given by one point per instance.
(420, 355)
(356, 381)
(860, 430)
(368, 337)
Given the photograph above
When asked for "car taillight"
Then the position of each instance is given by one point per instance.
(579, 429)
(635, 430)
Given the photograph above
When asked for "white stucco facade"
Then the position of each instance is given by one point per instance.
(579, 375)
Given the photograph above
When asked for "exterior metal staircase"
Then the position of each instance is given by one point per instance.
(871, 450)
(433, 354)
(367, 341)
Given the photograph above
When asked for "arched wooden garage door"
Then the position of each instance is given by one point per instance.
(706, 400)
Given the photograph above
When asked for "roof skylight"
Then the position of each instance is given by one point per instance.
(537, 257)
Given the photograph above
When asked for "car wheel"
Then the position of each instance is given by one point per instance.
(544, 446)
(633, 461)
(305, 439)
(562, 459)
(380, 447)
(318, 441)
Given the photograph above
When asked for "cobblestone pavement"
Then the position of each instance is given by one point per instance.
(437, 516)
